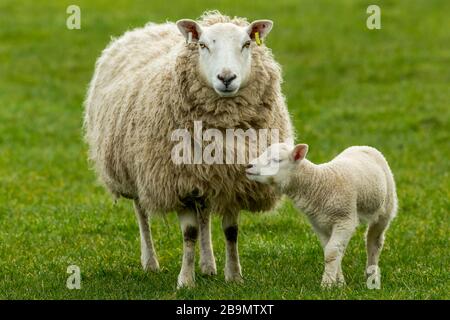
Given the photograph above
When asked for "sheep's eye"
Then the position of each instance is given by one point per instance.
(203, 46)
(246, 45)
(277, 160)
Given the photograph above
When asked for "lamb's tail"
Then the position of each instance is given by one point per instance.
(391, 200)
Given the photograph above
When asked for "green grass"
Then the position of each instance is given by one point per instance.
(345, 85)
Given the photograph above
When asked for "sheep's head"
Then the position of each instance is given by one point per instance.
(276, 164)
(225, 52)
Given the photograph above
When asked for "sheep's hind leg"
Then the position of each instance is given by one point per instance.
(207, 260)
(232, 264)
(334, 252)
(374, 245)
(189, 228)
(148, 256)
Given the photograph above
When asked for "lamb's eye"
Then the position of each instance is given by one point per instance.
(203, 46)
(246, 44)
(277, 160)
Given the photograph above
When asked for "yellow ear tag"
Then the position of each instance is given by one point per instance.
(257, 39)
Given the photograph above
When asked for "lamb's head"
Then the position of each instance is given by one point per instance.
(277, 163)
(225, 56)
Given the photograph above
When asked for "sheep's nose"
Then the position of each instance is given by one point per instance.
(226, 78)
(249, 166)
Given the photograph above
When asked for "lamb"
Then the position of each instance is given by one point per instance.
(161, 78)
(355, 186)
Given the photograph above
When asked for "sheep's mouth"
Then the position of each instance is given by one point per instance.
(251, 174)
(227, 92)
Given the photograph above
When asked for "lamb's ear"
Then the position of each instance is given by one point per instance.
(187, 26)
(299, 152)
(263, 28)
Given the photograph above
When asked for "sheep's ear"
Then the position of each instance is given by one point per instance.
(299, 152)
(263, 28)
(186, 27)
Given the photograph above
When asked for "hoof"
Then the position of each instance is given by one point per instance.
(150, 264)
(185, 283)
(341, 283)
(236, 278)
(328, 283)
(208, 269)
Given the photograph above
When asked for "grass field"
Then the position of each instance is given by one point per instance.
(345, 85)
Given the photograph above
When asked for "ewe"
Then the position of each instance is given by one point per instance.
(356, 185)
(160, 78)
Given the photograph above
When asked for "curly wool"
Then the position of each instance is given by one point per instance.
(146, 85)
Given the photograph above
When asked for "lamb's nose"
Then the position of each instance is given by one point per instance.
(249, 166)
(226, 78)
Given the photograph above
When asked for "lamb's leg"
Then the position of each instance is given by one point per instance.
(374, 243)
(340, 276)
(148, 256)
(232, 265)
(207, 260)
(189, 228)
(334, 252)
(324, 238)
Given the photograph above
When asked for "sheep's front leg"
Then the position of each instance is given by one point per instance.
(340, 276)
(334, 252)
(148, 256)
(207, 260)
(232, 265)
(324, 237)
(189, 228)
